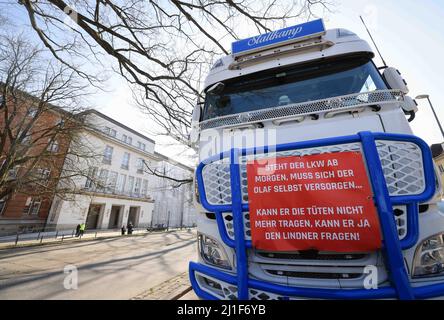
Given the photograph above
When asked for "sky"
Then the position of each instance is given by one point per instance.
(408, 34)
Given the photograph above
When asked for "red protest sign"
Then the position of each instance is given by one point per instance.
(320, 202)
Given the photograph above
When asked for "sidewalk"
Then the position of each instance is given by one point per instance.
(53, 237)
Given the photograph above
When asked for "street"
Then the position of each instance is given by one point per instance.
(114, 268)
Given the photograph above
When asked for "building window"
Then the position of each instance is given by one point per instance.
(12, 174)
(60, 123)
(43, 174)
(103, 176)
(108, 155)
(137, 186)
(130, 185)
(145, 187)
(35, 206)
(26, 139)
(92, 174)
(112, 180)
(140, 165)
(53, 146)
(121, 180)
(2, 205)
(32, 206)
(126, 139)
(110, 132)
(32, 112)
(125, 161)
(141, 145)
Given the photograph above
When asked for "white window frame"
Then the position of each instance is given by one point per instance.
(125, 160)
(130, 186)
(32, 204)
(45, 174)
(53, 146)
(112, 132)
(106, 130)
(108, 154)
(92, 175)
(144, 187)
(112, 181)
(103, 177)
(137, 186)
(32, 112)
(140, 165)
(121, 181)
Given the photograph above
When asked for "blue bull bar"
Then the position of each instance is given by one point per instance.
(392, 246)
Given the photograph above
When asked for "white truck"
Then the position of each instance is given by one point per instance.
(300, 92)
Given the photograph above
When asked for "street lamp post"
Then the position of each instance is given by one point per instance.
(426, 96)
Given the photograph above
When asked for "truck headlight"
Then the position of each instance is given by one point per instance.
(212, 253)
(196, 190)
(429, 257)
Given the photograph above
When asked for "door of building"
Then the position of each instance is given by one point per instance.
(114, 218)
(133, 216)
(92, 219)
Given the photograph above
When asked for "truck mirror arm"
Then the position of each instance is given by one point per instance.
(412, 116)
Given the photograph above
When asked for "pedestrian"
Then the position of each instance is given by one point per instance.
(82, 228)
(78, 230)
(123, 230)
(130, 228)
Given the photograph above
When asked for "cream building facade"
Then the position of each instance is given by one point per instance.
(117, 188)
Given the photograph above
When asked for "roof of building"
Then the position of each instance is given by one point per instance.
(117, 123)
(173, 161)
(162, 156)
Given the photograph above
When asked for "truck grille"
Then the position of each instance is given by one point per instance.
(314, 275)
(399, 212)
(352, 101)
(309, 255)
(401, 163)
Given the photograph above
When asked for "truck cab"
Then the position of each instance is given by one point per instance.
(299, 92)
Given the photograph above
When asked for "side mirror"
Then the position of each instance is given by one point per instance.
(394, 79)
(410, 107)
(195, 120)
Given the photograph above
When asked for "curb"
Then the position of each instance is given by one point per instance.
(171, 289)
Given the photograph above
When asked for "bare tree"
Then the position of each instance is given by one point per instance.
(161, 47)
(159, 171)
(40, 144)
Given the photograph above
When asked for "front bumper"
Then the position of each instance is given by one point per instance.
(242, 286)
(267, 291)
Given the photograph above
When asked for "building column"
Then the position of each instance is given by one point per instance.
(105, 215)
(124, 221)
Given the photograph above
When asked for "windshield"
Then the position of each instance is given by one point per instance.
(293, 85)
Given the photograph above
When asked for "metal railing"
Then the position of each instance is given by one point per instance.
(110, 191)
(59, 235)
